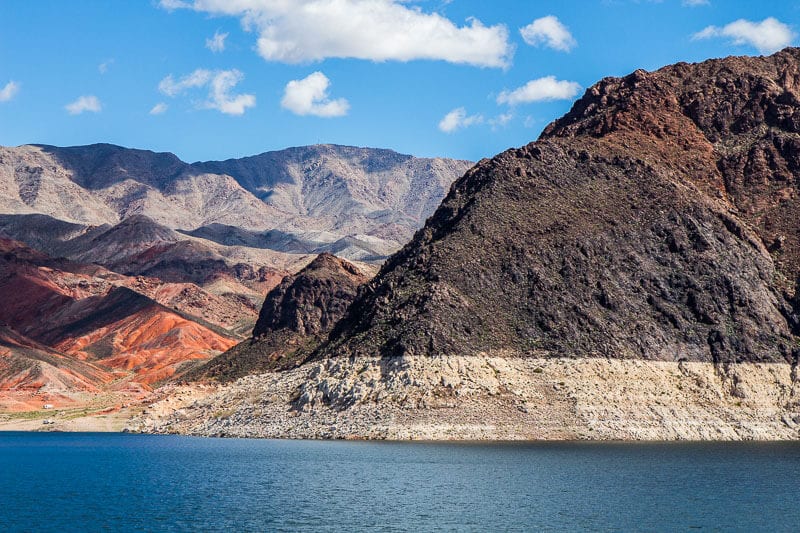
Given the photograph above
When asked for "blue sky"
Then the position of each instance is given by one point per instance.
(432, 78)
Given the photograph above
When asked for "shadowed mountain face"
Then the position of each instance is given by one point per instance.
(656, 220)
(296, 316)
(313, 300)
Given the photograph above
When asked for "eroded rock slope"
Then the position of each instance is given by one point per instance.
(361, 203)
(144, 264)
(656, 220)
(296, 316)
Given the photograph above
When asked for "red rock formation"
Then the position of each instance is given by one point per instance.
(69, 328)
(151, 344)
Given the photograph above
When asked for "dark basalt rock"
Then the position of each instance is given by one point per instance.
(296, 316)
(656, 220)
(311, 301)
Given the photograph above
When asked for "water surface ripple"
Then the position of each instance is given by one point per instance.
(90, 482)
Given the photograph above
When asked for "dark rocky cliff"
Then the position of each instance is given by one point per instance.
(296, 316)
(311, 301)
(656, 220)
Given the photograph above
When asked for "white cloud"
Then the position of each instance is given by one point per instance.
(500, 120)
(159, 109)
(309, 96)
(84, 103)
(296, 31)
(198, 78)
(170, 5)
(548, 88)
(458, 119)
(9, 91)
(104, 66)
(217, 42)
(222, 100)
(767, 36)
(693, 3)
(219, 84)
(550, 32)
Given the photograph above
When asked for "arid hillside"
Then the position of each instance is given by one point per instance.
(656, 220)
(633, 274)
(143, 267)
(75, 328)
(359, 203)
(296, 317)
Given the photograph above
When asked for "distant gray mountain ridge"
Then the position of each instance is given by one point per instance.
(359, 203)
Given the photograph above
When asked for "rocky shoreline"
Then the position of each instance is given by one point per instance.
(490, 397)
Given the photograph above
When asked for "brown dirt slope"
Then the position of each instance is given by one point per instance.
(26, 365)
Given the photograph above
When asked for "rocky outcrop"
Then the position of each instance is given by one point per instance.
(738, 118)
(313, 300)
(489, 397)
(296, 316)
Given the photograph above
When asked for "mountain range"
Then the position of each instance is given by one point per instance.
(656, 220)
(361, 203)
(632, 274)
(136, 263)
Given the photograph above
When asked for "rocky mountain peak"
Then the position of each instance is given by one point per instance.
(724, 99)
(296, 316)
(327, 264)
(655, 220)
(101, 165)
(311, 301)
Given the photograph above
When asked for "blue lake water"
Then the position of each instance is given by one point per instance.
(118, 482)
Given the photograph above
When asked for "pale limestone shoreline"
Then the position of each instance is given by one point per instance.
(490, 397)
